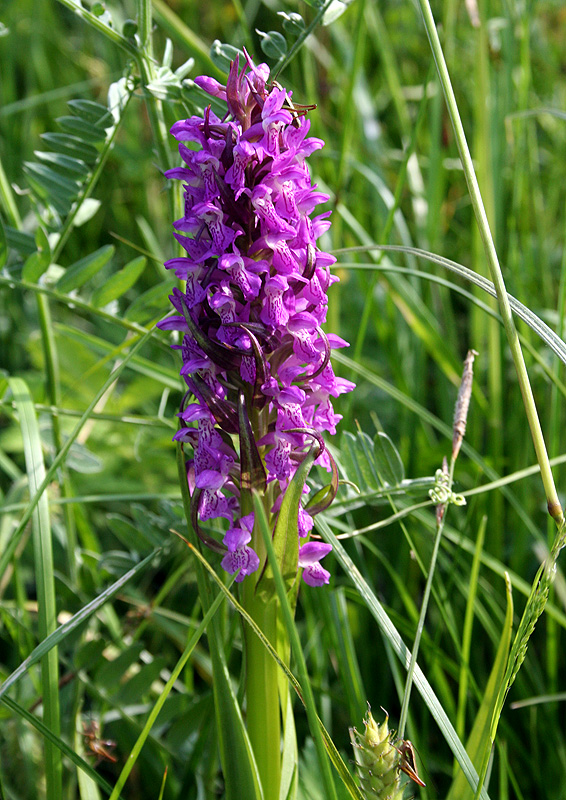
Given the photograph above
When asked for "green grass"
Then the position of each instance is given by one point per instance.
(90, 390)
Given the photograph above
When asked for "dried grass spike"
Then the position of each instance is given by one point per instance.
(463, 404)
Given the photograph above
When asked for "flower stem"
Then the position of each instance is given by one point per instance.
(554, 506)
(263, 716)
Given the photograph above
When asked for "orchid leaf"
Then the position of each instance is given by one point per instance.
(286, 536)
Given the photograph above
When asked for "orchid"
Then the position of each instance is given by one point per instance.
(255, 357)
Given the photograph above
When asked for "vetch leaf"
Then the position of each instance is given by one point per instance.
(22, 243)
(74, 167)
(94, 113)
(388, 461)
(293, 23)
(71, 146)
(85, 131)
(222, 54)
(273, 43)
(119, 283)
(359, 461)
(149, 302)
(38, 262)
(50, 181)
(81, 271)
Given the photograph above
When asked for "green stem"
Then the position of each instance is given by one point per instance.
(554, 506)
(262, 692)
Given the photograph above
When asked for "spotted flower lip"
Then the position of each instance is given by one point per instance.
(250, 314)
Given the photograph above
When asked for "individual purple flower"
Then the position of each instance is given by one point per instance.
(309, 556)
(255, 358)
(239, 555)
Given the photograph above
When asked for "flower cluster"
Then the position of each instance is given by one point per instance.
(255, 358)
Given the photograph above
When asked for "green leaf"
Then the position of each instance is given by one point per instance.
(38, 262)
(119, 283)
(236, 755)
(358, 459)
(273, 43)
(45, 585)
(3, 245)
(22, 243)
(335, 10)
(387, 460)
(139, 685)
(286, 536)
(33, 720)
(158, 705)
(71, 146)
(85, 131)
(150, 302)
(66, 164)
(134, 539)
(51, 182)
(479, 742)
(293, 23)
(81, 271)
(222, 54)
(94, 113)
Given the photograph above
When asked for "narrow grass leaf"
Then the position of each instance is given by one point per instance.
(43, 558)
(3, 245)
(479, 742)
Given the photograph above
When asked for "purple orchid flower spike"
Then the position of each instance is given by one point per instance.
(255, 359)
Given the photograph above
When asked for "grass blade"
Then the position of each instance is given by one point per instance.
(43, 557)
